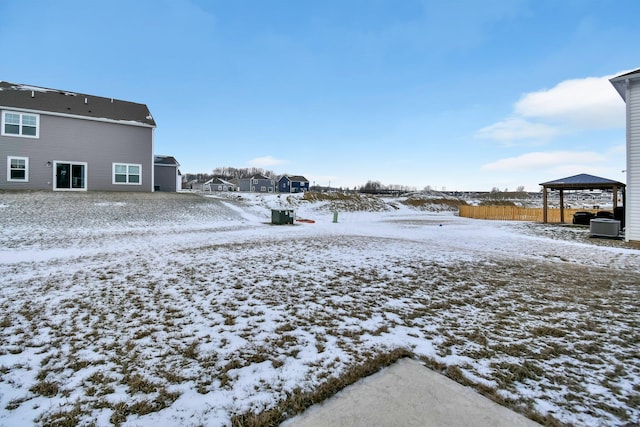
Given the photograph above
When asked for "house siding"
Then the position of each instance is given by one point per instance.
(165, 178)
(97, 143)
(288, 185)
(632, 208)
(247, 184)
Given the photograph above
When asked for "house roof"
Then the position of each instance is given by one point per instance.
(165, 160)
(296, 178)
(39, 99)
(258, 176)
(620, 82)
(218, 181)
(582, 182)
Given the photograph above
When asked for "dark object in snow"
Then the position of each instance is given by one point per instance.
(583, 218)
(282, 216)
(618, 213)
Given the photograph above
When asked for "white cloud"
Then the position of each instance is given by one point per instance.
(569, 107)
(514, 129)
(545, 159)
(590, 102)
(266, 161)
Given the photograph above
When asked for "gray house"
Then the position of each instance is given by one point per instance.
(628, 86)
(65, 141)
(257, 183)
(293, 184)
(166, 175)
(219, 184)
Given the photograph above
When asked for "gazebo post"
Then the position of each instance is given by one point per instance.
(561, 206)
(615, 196)
(544, 204)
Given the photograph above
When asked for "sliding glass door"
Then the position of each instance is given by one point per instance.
(70, 176)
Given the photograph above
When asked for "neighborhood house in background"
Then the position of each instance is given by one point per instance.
(293, 184)
(257, 183)
(219, 184)
(65, 141)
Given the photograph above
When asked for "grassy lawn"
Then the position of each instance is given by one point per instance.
(181, 310)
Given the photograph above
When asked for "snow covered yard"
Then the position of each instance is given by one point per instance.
(156, 309)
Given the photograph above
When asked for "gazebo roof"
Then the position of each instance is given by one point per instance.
(582, 182)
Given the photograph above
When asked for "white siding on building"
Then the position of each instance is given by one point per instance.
(633, 161)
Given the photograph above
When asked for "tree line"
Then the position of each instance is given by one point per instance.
(228, 173)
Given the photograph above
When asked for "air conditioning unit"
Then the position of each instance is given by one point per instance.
(604, 227)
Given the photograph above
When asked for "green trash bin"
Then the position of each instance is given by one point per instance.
(282, 216)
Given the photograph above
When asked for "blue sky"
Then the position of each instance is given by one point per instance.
(462, 95)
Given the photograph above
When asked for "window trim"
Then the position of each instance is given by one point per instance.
(20, 133)
(127, 174)
(26, 169)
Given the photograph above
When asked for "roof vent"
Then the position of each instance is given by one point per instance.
(33, 93)
(85, 101)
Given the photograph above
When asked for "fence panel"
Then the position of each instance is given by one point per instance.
(514, 213)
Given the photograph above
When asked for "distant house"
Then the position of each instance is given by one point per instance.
(257, 183)
(219, 184)
(166, 175)
(293, 184)
(65, 141)
(628, 86)
(193, 184)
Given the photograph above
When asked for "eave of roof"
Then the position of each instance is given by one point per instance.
(165, 160)
(620, 82)
(62, 103)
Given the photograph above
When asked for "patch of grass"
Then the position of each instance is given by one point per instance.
(548, 331)
(64, 418)
(45, 388)
(15, 403)
(508, 373)
(6, 322)
(191, 350)
(138, 384)
(297, 400)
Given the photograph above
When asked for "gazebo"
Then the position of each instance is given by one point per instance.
(580, 182)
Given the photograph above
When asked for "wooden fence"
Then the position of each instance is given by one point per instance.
(513, 213)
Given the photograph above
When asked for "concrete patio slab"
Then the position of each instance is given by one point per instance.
(408, 394)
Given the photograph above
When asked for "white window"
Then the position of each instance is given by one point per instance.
(263, 189)
(20, 124)
(255, 181)
(125, 173)
(18, 169)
